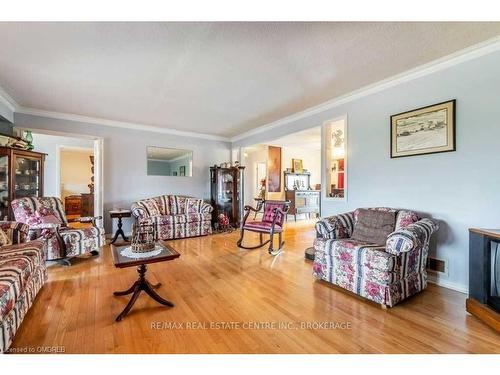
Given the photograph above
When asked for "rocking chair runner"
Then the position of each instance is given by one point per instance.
(272, 222)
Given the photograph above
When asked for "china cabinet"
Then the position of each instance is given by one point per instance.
(21, 175)
(226, 186)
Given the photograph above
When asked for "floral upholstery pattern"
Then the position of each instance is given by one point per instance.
(383, 274)
(62, 241)
(177, 217)
(22, 274)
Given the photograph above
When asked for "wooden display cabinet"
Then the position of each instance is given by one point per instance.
(21, 175)
(226, 187)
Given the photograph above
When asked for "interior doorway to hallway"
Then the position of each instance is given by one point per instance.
(286, 168)
(72, 171)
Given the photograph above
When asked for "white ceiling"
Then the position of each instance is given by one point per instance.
(214, 78)
(306, 139)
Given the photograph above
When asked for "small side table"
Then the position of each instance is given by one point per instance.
(119, 214)
(142, 284)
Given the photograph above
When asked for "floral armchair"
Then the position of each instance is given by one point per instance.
(45, 218)
(385, 274)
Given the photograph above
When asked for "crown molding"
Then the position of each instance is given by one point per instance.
(117, 124)
(469, 53)
(8, 100)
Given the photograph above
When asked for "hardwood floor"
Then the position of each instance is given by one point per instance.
(214, 281)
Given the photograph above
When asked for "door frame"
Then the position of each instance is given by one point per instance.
(98, 165)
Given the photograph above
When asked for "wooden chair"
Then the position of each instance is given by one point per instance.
(271, 223)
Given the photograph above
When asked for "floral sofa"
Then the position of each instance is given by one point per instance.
(45, 218)
(175, 216)
(384, 274)
(22, 275)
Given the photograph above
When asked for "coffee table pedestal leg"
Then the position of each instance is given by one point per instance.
(140, 285)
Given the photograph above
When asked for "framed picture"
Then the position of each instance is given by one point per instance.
(426, 130)
(182, 170)
(297, 166)
(274, 169)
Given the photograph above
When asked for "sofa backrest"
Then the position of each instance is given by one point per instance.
(166, 205)
(403, 217)
(27, 210)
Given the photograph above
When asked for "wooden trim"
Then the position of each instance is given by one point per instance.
(492, 233)
(483, 313)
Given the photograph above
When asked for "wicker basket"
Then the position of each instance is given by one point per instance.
(143, 238)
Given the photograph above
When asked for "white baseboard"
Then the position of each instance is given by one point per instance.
(448, 285)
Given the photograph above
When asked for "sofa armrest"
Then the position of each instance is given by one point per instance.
(416, 235)
(139, 212)
(16, 231)
(206, 208)
(334, 227)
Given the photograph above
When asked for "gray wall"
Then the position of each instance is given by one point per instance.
(125, 164)
(460, 189)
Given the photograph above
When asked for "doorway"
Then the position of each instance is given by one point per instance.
(68, 170)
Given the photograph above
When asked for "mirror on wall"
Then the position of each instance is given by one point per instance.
(335, 159)
(169, 162)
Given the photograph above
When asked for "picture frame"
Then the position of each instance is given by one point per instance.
(274, 169)
(297, 166)
(426, 130)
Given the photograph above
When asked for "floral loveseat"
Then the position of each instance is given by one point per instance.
(45, 218)
(175, 216)
(386, 274)
(22, 275)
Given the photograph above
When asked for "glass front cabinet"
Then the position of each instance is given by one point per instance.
(226, 185)
(21, 175)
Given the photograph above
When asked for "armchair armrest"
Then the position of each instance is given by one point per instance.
(85, 219)
(335, 227)
(16, 231)
(45, 226)
(416, 235)
(250, 208)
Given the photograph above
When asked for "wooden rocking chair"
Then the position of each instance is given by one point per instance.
(272, 222)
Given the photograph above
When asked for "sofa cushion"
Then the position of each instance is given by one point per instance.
(197, 217)
(163, 204)
(373, 226)
(150, 206)
(16, 268)
(177, 204)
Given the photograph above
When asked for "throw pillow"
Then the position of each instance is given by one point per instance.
(4, 239)
(373, 226)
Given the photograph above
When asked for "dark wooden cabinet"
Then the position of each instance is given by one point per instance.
(87, 205)
(303, 199)
(21, 175)
(226, 187)
(73, 205)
